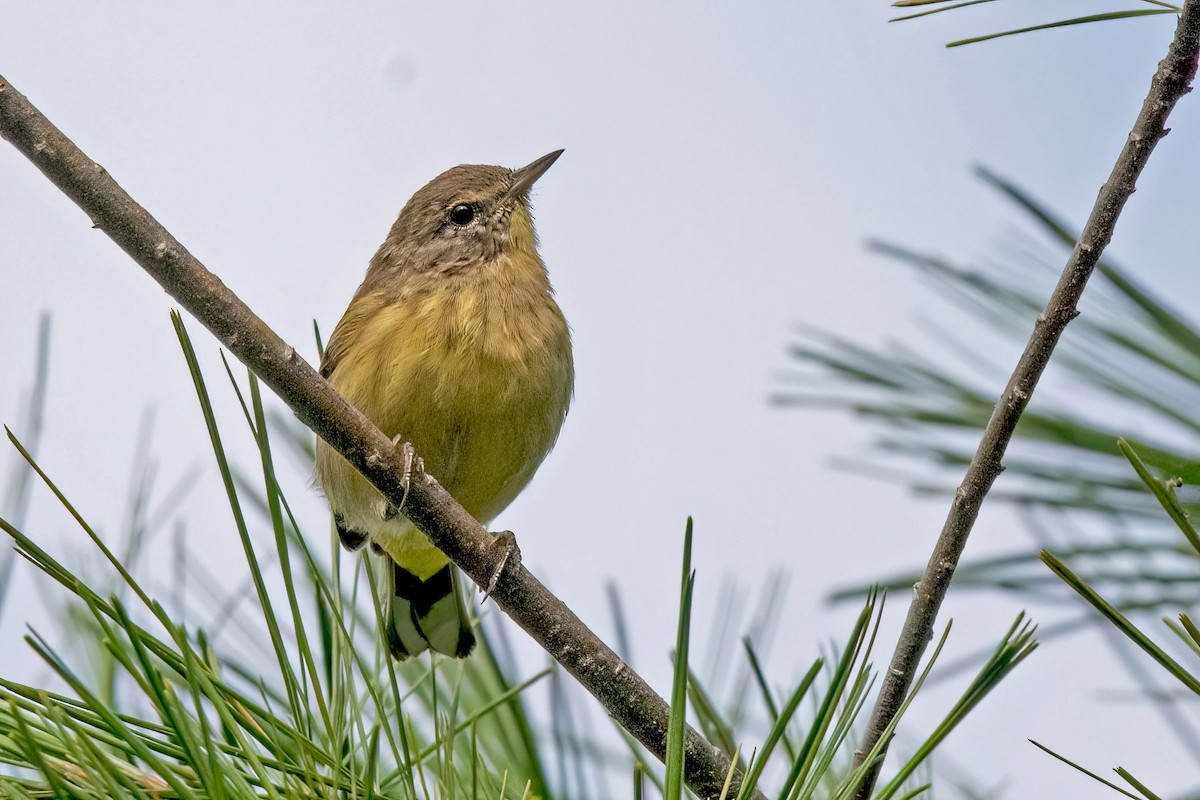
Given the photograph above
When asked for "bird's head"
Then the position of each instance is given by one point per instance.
(469, 215)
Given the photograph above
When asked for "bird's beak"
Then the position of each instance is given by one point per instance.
(526, 176)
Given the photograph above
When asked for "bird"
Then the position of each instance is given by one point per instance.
(455, 346)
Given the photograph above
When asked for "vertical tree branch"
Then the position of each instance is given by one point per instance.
(624, 694)
(1171, 81)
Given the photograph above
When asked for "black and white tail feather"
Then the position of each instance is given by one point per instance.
(426, 614)
(418, 615)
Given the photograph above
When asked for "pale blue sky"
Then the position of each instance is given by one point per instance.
(724, 164)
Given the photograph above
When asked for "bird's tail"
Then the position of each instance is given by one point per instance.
(426, 614)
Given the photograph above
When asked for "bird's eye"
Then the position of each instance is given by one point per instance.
(462, 214)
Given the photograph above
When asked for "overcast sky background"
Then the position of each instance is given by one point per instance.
(724, 165)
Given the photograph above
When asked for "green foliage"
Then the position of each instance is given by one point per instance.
(1130, 361)
(679, 686)
(1185, 629)
(329, 716)
(938, 6)
(305, 702)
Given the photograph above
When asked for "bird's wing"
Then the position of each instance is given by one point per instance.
(348, 329)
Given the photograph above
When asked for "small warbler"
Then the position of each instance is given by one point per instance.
(454, 343)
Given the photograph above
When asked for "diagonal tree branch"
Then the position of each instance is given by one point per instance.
(1171, 81)
(490, 562)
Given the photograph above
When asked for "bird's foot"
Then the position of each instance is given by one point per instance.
(414, 465)
(510, 557)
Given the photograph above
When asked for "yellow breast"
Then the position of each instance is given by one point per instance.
(474, 369)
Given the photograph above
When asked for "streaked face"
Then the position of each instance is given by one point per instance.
(465, 216)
